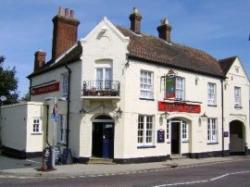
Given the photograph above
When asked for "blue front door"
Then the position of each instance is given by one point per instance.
(107, 143)
(103, 139)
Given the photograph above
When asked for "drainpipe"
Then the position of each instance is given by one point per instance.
(68, 104)
(47, 125)
(222, 116)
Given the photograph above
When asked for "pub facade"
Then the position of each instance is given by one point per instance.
(131, 97)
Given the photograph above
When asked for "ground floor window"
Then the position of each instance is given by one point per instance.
(37, 125)
(184, 131)
(145, 130)
(62, 129)
(212, 128)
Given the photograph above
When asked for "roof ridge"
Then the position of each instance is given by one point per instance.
(228, 58)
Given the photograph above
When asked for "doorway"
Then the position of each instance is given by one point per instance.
(175, 137)
(236, 138)
(103, 137)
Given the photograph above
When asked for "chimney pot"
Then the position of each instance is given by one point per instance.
(135, 21)
(164, 30)
(72, 13)
(67, 14)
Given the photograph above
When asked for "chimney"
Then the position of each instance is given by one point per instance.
(40, 58)
(64, 32)
(135, 21)
(164, 30)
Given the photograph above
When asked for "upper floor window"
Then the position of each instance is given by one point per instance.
(104, 77)
(180, 88)
(146, 84)
(37, 126)
(237, 97)
(64, 85)
(211, 94)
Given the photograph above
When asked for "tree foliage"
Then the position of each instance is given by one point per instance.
(8, 83)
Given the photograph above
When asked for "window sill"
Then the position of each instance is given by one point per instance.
(238, 107)
(36, 133)
(147, 99)
(186, 141)
(212, 143)
(146, 146)
(210, 105)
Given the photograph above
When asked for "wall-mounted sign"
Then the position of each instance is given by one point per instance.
(178, 107)
(45, 89)
(160, 136)
(170, 87)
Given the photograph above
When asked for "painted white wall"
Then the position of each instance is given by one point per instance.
(239, 79)
(17, 125)
(112, 48)
(195, 93)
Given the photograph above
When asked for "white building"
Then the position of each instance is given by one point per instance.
(135, 97)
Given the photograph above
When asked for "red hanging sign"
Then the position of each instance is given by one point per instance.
(178, 107)
(45, 89)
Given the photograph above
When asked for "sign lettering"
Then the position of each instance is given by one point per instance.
(45, 89)
(178, 107)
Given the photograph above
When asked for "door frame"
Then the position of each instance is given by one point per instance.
(102, 123)
(243, 140)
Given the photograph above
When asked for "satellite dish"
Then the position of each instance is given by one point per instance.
(3, 98)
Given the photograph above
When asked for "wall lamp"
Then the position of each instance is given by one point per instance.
(118, 113)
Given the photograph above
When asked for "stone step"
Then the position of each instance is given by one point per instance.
(177, 157)
(106, 161)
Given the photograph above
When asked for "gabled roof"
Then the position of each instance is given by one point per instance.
(226, 63)
(70, 57)
(154, 50)
(158, 51)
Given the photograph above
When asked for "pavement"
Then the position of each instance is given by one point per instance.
(16, 168)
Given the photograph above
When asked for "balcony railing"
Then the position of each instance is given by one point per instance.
(101, 88)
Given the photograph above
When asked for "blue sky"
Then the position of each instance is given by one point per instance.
(219, 27)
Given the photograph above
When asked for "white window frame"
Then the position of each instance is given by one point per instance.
(62, 129)
(103, 68)
(180, 88)
(146, 84)
(212, 130)
(64, 84)
(146, 133)
(184, 131)
(37, 121)
(212, 94)
(237, 97)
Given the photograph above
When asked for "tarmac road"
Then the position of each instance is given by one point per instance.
(235, 173)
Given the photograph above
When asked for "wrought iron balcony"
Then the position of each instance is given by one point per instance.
(106, 88)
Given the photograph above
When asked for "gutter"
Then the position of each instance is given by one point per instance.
(222, 117)
(68, 104)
